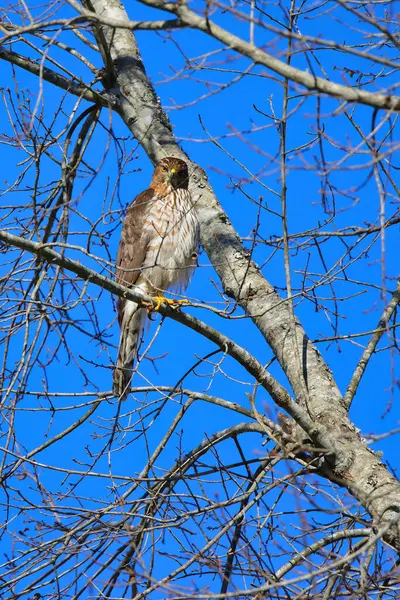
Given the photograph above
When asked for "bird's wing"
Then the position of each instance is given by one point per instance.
(134, 242)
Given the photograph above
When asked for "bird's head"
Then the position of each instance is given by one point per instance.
(172, 172)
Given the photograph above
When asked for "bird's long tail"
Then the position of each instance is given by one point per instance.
(131, 328)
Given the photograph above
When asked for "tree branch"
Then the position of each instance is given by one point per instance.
(258, 56)
(77, 89)
(372, 344)
(252, 365)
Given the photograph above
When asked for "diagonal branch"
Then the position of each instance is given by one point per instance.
(243, 357)
(258, 56)
(77, 89)
(382, 327)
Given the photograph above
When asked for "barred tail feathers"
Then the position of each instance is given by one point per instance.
(131, 328)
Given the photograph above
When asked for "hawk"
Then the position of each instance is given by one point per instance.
(157, 252)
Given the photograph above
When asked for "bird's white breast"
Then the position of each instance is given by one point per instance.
(173, 226)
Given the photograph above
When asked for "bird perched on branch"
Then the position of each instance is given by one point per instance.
(157, 252)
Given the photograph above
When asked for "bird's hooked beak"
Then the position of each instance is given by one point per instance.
(171, 174)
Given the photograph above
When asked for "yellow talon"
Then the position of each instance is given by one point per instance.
(160, 299)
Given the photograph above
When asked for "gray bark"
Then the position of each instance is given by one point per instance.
(349, 462)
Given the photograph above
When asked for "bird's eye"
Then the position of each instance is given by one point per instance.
(164, 169)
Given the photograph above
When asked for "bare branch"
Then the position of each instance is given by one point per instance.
(77, 89)
(258, 56)
(381, 327)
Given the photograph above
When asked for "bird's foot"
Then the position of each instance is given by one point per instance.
(160, 299)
